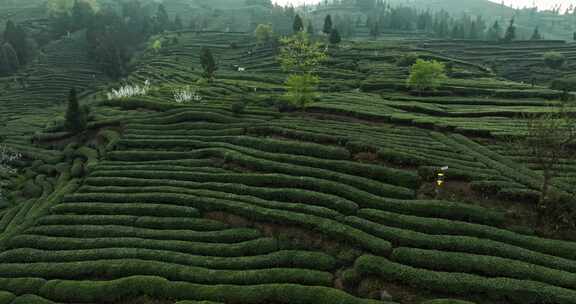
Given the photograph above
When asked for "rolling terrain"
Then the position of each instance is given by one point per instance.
(163, 202)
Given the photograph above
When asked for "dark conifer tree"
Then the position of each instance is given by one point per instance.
(298, 24)
(75, 120)
(510, 32)
(162, 18)
(536, 35)
(208, 63)
(327, 25)
(16, 36)
(9, 62)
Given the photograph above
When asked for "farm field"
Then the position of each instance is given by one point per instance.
(166, 202)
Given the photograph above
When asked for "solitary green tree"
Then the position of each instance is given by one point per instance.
(208, 63)
(298, 24)
(302, 58)
(554, 60)
(327, 25)
(75, 120)
(547, 141)
(263, 33)
(426, 75)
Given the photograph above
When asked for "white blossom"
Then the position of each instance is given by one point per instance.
(129, 91)
(186, 94)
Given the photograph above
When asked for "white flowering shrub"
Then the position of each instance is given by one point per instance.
(187, 94)
(129, 91)
(7, 156)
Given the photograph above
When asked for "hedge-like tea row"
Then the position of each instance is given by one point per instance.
(277, 259)
(247, 155)
(253, 247)
(140, 209)
(30, 299)
(446, 301)
(325, 226)
(113, 184)
(186, 115)
(425, 208)
(295, 207)
(164, 168)
(446, 227)
(6, 297)
(233, 235)
(265, 166)
(264, 144)
(173, 272)
(483, 265)
(410, 238)
(185, 223)
(111, 291)
(518, 291)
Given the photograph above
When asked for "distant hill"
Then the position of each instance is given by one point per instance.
(484, 7)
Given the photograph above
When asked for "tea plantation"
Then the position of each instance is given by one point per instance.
(166, 202)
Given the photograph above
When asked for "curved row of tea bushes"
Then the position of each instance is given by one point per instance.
(295, 207)
(154, 222)
(410, 238)
(263, 144)
(292, 195)
(265, 166)
(329, 227)
(247, 248)
(483, 265)
(514, 290)
(111, 291)
(277, 259)
(174, 272)
(232, 235)
(446, 227)
(140, 209)
(380, 173)
(366, 200)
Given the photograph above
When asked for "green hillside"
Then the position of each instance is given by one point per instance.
(236, 196)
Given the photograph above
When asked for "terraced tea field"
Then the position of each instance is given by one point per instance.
(192, 203)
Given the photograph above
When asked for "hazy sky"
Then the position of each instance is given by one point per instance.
(542, 4)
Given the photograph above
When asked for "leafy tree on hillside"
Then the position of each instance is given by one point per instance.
(327, 25)
(75, 119)
(335, 37)
(495, 32)
(554, 60)
(298, 24)
(301, 89)
(426, 75)
(208, 63)
(510, 32)
(302, 58)
(263, 33)
(548, 140)
(300, 55)
(536, 35)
